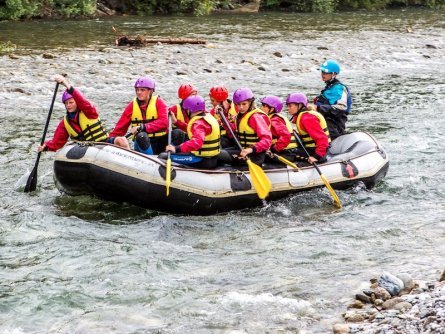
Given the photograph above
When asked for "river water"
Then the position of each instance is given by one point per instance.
(81, 265)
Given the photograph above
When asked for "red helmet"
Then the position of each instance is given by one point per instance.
(185, 90)
(219, 93)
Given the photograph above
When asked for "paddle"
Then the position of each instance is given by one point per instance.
(31, 184)
(323, 178)
(168, 171)
(259, 179)
(285, 161)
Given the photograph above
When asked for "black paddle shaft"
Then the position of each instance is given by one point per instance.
(226, 123)
(305, 150)
(169, 134)
(31, 184)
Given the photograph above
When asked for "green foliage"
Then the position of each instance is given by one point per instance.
(324, 6)
(436, 4)
(23, 9)
(16, 9)
(69, 8)
(7, 47)
(329, 6)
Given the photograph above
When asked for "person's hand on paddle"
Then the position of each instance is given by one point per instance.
(173, 116)
(245, 151)
(61, 80)
(135, 129)
(311, 160)
(41, 148)
(170, 148)
(270, 154)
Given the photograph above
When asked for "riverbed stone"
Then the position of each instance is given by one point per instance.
(356, 304)
(391, 283)
(48, 55)
(390, 303)
(408, 283)
(340, 328)
(362, 297)
(381, 293)
(402, 306)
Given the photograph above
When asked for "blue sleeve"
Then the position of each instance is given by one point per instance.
(337, 97)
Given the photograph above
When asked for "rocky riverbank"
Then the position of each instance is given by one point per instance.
(397, 305)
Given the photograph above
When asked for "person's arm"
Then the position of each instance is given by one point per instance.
(59, 139)
(278, 127)
(311, 125)
(337, 98)
(199, 130)
(260, 124)
(161, 123)
(123, 123)
(83, 104)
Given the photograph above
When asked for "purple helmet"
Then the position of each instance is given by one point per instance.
(242, 94)
(66, 96)
(194, 103)
(273, 101)
(297, 98)
(145, 82)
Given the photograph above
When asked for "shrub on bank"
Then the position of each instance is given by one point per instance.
(23, 9)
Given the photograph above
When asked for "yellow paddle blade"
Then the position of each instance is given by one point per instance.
(259, 179)
(287, 162)
(168, 176)
(332, 191)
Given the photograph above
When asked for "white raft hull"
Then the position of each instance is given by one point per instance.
(121, 175)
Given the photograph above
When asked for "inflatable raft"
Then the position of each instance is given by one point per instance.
(116, 174)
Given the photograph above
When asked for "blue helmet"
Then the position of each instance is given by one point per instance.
(330, 66)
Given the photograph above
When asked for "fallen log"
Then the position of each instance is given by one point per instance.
(139, 41)
(123, 40)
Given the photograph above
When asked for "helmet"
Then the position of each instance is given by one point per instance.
(273, 101)
(242, 94)
(185, 90)
(330, 66)
(145, 82)
(66, 96)
(219, 93)
(194, 103)
(297, 98)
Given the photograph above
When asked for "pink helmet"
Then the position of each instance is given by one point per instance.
(145, 82)
(297, 98)
(273, 101)
(66, 96)
(242, 94)
(194, 103)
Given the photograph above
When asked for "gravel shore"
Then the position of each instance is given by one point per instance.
(397, 305)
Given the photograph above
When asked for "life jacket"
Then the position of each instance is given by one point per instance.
(305, 138)
(246, 135)
(91, 129)
(179, 114)
(293, 141)
(333, 92)
(211, 146)
(151, 114)
(232, 111)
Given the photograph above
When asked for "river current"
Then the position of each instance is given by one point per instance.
(82, 265)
